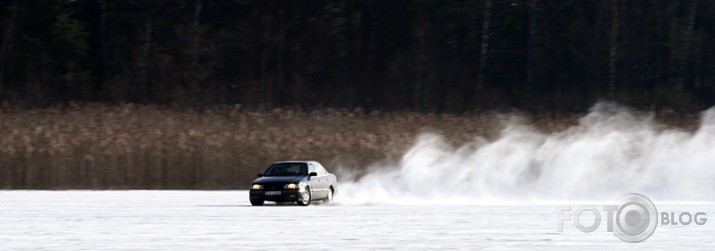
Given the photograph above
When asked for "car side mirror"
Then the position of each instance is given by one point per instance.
(259, 175)
(313, 174)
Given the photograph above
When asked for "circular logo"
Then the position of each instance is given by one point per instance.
(636, 218)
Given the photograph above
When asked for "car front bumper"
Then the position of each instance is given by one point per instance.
(285, 195)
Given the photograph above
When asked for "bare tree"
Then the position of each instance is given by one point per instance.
(195, 45)
(536, 23)
(103, 45)
(613, 55)
(370, 58)
(534, 12)
(419, 93)
(144, 61)
(485, 44)
(687, 42)
(7, 43)
(265, 88)
(197, 21)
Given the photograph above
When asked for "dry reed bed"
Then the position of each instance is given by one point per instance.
(99, 146)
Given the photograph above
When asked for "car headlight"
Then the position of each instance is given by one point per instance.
(256, 187)
(291, 186)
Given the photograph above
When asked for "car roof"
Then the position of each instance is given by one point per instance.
(294, 161)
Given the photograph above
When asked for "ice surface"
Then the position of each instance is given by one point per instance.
(224, 220)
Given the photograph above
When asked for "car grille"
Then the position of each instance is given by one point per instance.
(273, 186)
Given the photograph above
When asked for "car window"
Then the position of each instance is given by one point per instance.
(312, 168)
(287, 169)
(321, 170)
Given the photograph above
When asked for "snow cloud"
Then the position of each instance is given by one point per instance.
(610, 152)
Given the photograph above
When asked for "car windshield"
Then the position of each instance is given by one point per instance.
(287, 169)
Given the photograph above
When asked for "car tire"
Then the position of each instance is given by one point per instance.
(257, 202)
(329, 199)
(310, 197)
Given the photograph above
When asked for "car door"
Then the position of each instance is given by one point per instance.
(326, 178)
(316, 182)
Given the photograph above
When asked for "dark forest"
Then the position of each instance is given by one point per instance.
(420, 55)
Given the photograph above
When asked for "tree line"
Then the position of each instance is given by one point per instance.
(420, 55)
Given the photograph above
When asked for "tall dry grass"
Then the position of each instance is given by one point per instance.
(100, 146)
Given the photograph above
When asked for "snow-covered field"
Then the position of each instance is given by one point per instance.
(224, 220)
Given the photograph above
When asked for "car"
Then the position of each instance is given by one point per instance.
(300, 181)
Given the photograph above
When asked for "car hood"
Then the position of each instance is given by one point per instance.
(279, 179)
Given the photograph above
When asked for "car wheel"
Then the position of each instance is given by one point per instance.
(256, 202)
(310, 197)
(329, 199)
